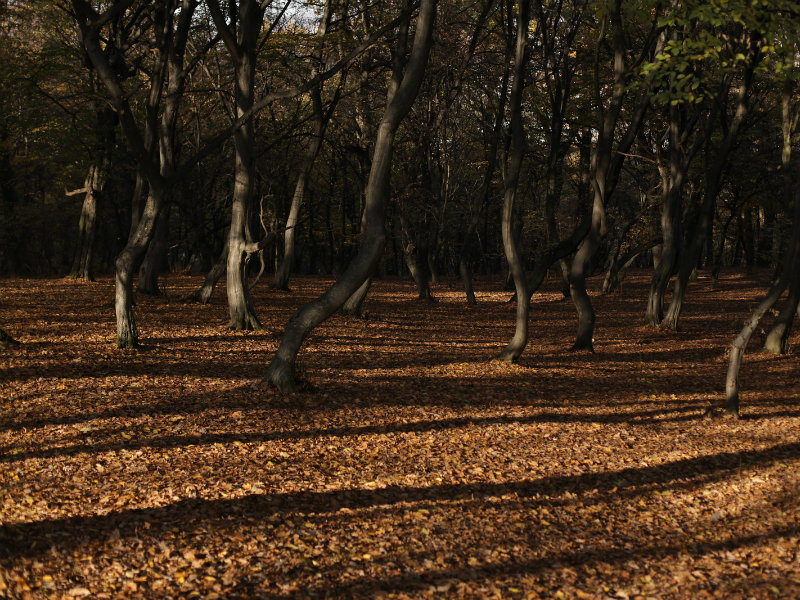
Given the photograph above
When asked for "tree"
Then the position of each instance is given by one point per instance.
(402, 90)
(514, 348)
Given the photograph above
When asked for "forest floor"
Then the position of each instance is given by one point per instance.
(411, 465)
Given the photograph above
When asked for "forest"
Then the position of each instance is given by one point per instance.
(347, 298)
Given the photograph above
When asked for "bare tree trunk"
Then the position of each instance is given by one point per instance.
(791, 266)
(606, 166)
(105, 122)
(778, 335)
(402, 93)
(155, 259)
(283, 272)
(87, 226)
(242, 47)
(203, 295)
(516, 346)
(355, 303)
(694, 248)
(779, 332)
(126, 264)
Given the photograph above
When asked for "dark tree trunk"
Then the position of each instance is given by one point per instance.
(778, 335)
(789, 276)
(203, 295)
(105, 124)
(155, 259)
(606, 166)
(402, 91)
(696, 242)
(354, 304)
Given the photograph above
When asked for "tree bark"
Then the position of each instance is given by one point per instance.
(516, 346)
(606, 166)
(696, 242)
(789, 276)
(155, 259)
(322, 118)
(82, 267)
(401, 96)
(203, 295)
(242, 48)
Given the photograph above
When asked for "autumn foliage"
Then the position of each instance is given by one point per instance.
(410, 465)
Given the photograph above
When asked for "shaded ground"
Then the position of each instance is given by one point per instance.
(411, 466)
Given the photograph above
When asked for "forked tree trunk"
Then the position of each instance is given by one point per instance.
(401, 96)
(516, 346)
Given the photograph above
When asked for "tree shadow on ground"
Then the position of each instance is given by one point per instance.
(35, 538)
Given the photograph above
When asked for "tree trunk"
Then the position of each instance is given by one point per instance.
(240, 308)
(155, 259)
(670, 241)
(401, 96)
(203, 295)
(465, 272)
(126, 264)
(696, 241)
(790, 276)
(284, 271)
(516, 346)
(778, 334)
(355, 303)
(87, 226)
(606, 166)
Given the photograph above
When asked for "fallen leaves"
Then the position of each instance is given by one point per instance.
(418, 467)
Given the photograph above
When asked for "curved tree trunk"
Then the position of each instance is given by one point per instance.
(516, 346)
(355, 303)
(402, 93)
(790, 275)
(203, 295)
(778, 335)
(607, 163)
(126, 264)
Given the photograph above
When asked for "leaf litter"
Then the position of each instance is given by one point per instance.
(412, 464)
